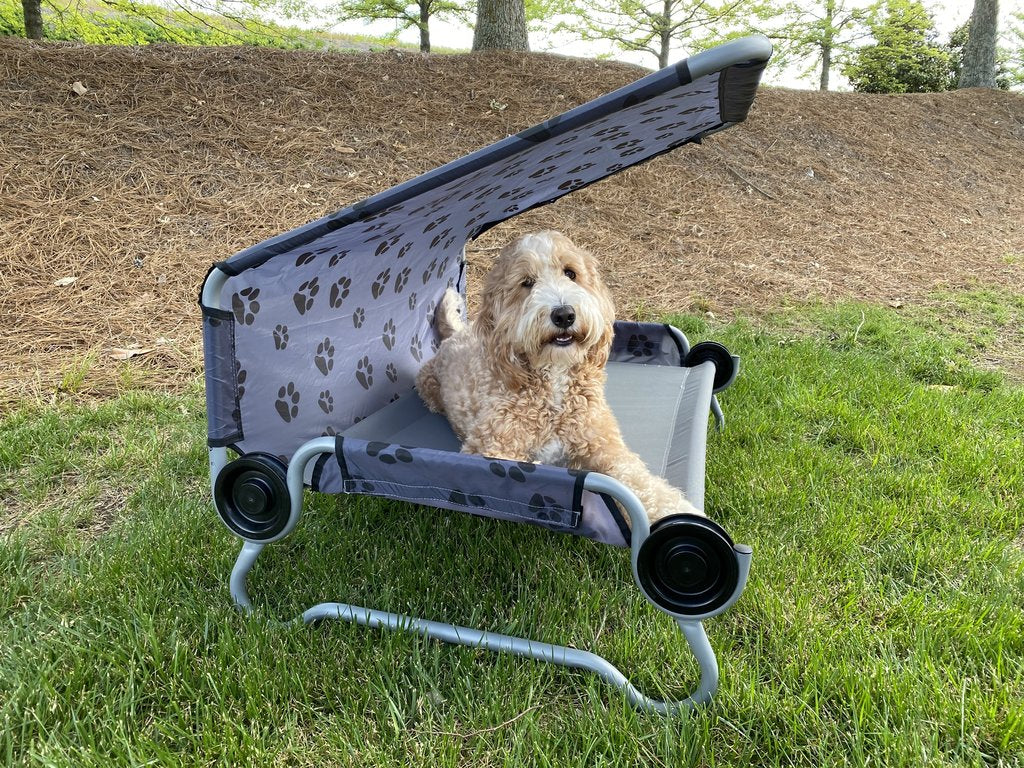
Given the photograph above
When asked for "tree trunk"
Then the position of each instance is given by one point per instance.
(979, 66)
(826, 65)
(500, 25)
(666, 40)
(424, 26)
(826, 44)
(33, 19)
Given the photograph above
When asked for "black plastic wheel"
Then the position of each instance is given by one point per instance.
(687, 565)
(251, 496)
(718, 354)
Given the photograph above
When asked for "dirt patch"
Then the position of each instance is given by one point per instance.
(114, 203)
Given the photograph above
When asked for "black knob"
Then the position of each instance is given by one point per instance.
(251, 496)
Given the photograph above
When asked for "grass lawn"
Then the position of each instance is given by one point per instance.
(876, 473)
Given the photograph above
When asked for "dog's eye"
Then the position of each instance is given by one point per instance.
(528, 282)
(570, 274)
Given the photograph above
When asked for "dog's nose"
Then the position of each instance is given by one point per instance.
(563, 316)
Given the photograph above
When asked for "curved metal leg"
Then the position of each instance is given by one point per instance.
(719, 416)
(691, 627)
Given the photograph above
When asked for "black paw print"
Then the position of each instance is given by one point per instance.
(640, 346)
(340, 291)
(329, 432)
(240, 377)
(466, 500)
(380, 283)
(615, 167)
(548, 509)
(389, 334)
(304, 258)
(429, 271)
(571, 184)
(364, 373)
(542, 172)
(326, 401)
(516, 472)
(389, 454)
(303, 298)
(436, 223)
(245, 306)
(324, 356)
(416, 348)
(358, 317)
(336, 258)
(287, 403)
(280, 336)
(412, 301)
(401, 279)
(391, 372)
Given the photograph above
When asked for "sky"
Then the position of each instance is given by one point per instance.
(948, 14)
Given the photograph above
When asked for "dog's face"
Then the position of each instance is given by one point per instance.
(545, 305)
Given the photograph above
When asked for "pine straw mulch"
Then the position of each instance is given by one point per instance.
(177, 157)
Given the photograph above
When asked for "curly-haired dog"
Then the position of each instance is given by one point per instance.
(525, 380)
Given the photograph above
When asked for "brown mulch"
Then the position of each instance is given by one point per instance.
(177, 157)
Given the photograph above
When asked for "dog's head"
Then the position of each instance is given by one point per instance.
(545, 306)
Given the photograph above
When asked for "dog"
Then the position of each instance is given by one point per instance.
(525, 380)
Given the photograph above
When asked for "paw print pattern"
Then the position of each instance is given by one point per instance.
(412, 301)
(280, 336)
(324, 359)
(517, 471)
(416, 348)
(359, 317)
(336, 258)
(466, 500)
(339, 291)
(240, 376)
(380, 283)
(326, 401)
(389, 454)
(391, 372)
(245, 305)
(401, 279)
(287, 403)
(364, 373)
(389, 335)
(548, 509)
(303, 298)
(429, 271)
(640, 346)
(304, 258)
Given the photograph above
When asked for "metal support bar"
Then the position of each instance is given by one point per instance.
(690, 626)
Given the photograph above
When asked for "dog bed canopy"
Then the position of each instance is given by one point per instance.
(312, 341)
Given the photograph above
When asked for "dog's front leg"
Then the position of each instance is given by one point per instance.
(498, 436)
(603, 450)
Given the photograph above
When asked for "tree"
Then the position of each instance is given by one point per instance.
(33, 19)
(649, 26)
(500, 25)
(905, 57)
(408, 14)
(979, 64)
(828, 30)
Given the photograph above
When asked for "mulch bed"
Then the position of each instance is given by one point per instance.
(115, 201)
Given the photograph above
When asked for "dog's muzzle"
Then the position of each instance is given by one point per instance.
(563, 317)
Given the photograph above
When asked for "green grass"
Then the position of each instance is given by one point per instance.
(875, 472)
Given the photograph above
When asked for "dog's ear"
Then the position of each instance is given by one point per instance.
(497, 336)
(598, 354)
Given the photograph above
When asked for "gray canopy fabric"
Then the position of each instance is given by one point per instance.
(321, 327)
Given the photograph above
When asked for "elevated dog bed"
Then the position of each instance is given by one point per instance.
(313, 340)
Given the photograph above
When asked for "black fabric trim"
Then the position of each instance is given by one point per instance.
(613, 510)
(347, 485)
(737, 86)
(683, 72)
(225, 267)
(577, 491)
(318, 468)
(225, 442)
(220, 314)
(679, 344)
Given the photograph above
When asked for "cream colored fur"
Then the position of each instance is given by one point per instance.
(509, 391)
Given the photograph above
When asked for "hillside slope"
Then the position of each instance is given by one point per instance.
(177, 157)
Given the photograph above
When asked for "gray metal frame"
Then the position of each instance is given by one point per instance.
(691, 626)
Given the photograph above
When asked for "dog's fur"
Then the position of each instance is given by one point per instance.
(514, 387)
